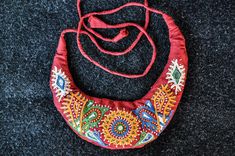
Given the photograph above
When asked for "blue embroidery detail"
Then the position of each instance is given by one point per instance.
(60, 82)
(120, 128)
(149, 104)
(95, 136)
(162, 124)
(147, 138)
(144, 115)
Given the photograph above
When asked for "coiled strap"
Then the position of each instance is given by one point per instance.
(95, 22)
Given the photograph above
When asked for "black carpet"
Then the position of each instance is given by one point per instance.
(29, 32)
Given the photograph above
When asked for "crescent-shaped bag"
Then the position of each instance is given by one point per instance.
(120, 124)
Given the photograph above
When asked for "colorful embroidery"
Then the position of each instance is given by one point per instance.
(72, 105)
(76, 125)
(60, 83)
(93, 114)
(120, 128)
(163, 121)
(145, 138)
(176, 76)
(124, 124)
(146, 115)
(164, 99)
(95, 136)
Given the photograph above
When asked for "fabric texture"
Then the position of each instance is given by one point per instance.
(29, 32)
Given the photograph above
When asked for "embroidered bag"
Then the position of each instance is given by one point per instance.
(120, 124)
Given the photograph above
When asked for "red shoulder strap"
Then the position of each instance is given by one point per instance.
(95, 22)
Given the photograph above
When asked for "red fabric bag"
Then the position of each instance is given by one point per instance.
(120, 124)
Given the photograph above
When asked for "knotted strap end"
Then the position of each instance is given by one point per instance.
(97, 23)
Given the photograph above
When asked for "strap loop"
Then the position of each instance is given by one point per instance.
(96, 23)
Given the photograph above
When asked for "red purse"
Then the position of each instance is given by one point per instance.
(120, 124)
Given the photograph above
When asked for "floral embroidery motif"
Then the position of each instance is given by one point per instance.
(176, 76)
(145, 138)
(60, 83)
(72, 105)
(120, 128)
(146, 115)
(164, 99)
(95, 136)
(93, 114)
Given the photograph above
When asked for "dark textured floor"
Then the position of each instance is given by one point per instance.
(29, 31)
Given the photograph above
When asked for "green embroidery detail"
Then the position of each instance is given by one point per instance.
(92, 115)
(144, 138)
(176, 75)
(76, 126)
(89, 103)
